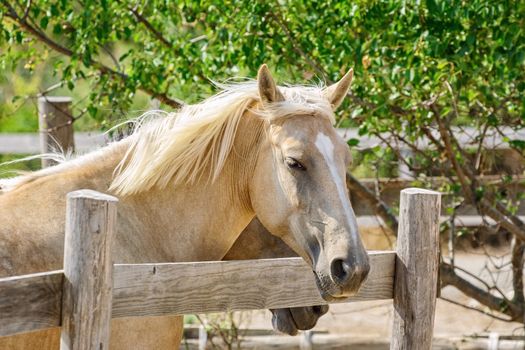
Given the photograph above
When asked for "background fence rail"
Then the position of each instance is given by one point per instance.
(85, 141)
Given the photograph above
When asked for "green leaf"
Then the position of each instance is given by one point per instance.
(57, 29)
(353, 142)
(433, 7)
(519, 144)
(43, 22)
(92, 110)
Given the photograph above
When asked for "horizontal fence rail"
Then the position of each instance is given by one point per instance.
(30, 143)
(32, 302)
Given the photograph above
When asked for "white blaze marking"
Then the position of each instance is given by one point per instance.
(326, 148)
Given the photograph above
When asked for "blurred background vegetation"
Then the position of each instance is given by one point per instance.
(436, 78)
(113, 56)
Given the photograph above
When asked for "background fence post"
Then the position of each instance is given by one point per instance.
(56, 126)
(88, 270)
(417, 264)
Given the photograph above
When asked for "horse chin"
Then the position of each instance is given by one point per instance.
(333, 299)
(282, 321)
(330, 292)
(291, 320)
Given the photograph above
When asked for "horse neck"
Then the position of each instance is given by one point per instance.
(240, 165)
(32, 210)
(200, 221)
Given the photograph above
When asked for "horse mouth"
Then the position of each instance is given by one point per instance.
(288, 326)
(327, 291)
(294, 323)
(333, 299)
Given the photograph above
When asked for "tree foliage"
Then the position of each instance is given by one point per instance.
(403, 51)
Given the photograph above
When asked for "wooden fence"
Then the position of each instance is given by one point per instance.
(84, 296)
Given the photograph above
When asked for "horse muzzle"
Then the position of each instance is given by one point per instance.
(343, 279)
(291, 320)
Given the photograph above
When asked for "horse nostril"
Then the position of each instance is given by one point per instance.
(339, 270)
(343, 272)
(320, 310)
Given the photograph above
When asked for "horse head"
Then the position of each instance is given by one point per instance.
(298, 190)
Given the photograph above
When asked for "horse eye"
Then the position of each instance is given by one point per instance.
(294, 164)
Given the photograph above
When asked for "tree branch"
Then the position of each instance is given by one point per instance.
(476, 309)
(297, 48)
(398, 153)
(380, 207)
(28, 7)
(449, 150)
(467, 180)
(24, 24)
(447, 274)
(505, 221)
(150, 27)
(41, 36)
(449, 277)
(518, 253)
(477, 159)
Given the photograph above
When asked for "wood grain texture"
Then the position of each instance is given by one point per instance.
(30, 302)
(165, 289)
(185, 288)
(88, 270)
(417, 267)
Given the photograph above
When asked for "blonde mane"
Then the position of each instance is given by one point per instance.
(180, 148)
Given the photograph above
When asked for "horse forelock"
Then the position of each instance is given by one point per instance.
(182, 148)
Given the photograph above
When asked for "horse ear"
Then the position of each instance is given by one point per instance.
(336, 93)
(267, 89)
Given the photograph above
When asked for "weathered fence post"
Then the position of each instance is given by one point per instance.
(203, 337)
(306, 342)
(88, 270)
(56, 126)
(417, 264)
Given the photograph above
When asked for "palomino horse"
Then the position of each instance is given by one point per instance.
(188, 185)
